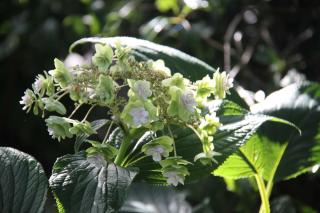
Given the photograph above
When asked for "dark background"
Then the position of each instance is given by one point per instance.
(268, 40)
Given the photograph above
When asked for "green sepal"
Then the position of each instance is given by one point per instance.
(103, 56)
(206, 158)
(108, 151)
(61, 74)
(105, 89)
(176, 80)
(53, 105)
(82, 128)
(58, 127)
(176, 106)
(174, 161)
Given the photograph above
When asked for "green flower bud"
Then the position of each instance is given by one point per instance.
(173, 161)
(106, 150)
(82, 128)
(206, 158)
(103, 56)
(205, 87)
(157, 126)
(50, 89)
(176, 80)
(53, 105)
(60, 74)
(58, 127)
(222, 84)
(105, 89)
(158, 147)
(210, 124)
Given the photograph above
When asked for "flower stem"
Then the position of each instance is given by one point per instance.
(174, 143)
(62, 95)
(263, 194)
(108, 131)
(122, 151)
(75, 110)
(86, 116)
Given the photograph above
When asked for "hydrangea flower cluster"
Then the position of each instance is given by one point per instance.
(140, 96)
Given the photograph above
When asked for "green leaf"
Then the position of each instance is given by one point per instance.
(90, 184)
(177, 61)
(80, 139)
(155, 199)
(23, 183)
(277, 151)
(294, 154)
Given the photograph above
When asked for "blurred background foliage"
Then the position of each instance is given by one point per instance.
(264, 44)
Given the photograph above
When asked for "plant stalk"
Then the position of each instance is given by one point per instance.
(263, 194)
(122, 151)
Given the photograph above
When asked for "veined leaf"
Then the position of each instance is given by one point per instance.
(177, 61)
(278, 152)
(294, 153)
(90, 184)
(23, 183)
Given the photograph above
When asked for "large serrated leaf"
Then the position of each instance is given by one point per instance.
(85, 185)
(278, 152)
(23, 183)
(177, 61)
(294, 154)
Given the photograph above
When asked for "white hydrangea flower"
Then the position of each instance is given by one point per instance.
(51, 132)
(227, 83)
(140, 115)
(156, 152)
(173, 178)
(39, 84)
(142, 89)
(159, 65)
(188, 100)
(27, 99)
(222, 84)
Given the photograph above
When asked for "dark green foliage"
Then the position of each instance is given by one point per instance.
(23, 183)
(90, 184)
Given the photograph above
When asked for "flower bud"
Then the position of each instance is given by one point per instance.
(58, 127)
(82, 128)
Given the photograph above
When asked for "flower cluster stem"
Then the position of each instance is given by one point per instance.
(263, 194)
(122, 151)
(174, 143)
